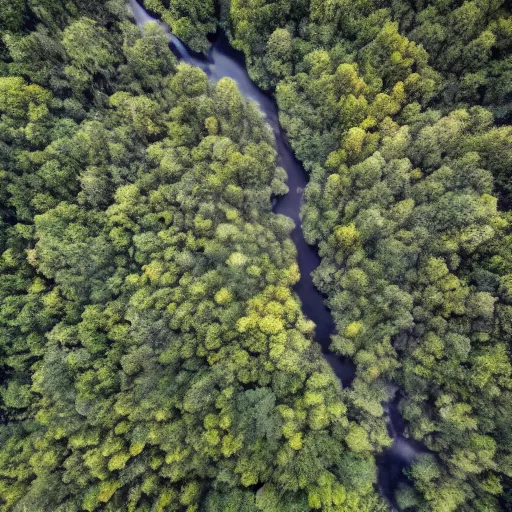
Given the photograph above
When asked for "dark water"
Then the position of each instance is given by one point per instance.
(224, 61)
(400, 456)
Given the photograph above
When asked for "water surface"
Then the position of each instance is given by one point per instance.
(224, 61)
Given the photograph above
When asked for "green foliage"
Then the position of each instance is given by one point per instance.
(392, 108)
(12, 15)
(153, 353)
(191, 21)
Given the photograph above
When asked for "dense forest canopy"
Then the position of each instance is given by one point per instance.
(153, 353)
(401, 112)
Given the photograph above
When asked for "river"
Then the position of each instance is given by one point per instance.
(224, 61)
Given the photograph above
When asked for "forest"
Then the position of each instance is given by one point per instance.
(154, 355)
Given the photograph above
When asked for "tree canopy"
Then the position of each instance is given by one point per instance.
(153, 352)
(400, 113)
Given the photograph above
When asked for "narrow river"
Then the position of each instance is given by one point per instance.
(224, 61)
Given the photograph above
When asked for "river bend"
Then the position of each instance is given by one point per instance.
(224, 61)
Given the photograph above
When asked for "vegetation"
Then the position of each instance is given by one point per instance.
(399, 112)
(153, 355)
(189, 20)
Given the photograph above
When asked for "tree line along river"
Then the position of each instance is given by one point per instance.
(224, 61)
